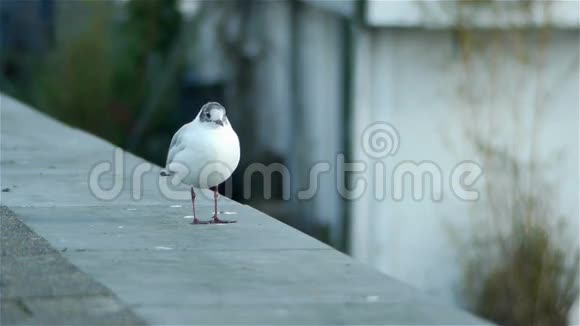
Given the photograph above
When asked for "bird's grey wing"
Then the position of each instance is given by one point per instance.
(175, 146)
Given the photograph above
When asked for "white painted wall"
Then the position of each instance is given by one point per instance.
(413, 79)
(491, 14)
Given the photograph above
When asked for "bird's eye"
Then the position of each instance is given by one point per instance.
(207, 115)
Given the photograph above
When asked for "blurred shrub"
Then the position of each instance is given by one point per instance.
(101, 77)
(75, 82)
(144, 41)
(150, 77)
(519, 268)
(153, 26)
(531, 283)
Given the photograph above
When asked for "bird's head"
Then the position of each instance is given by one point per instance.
(213, 113)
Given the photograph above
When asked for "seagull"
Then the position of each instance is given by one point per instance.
(204, 153)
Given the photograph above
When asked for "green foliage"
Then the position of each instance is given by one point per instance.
(153, 25)
(151, 30)
(148, 81)
(75, 82)
(102, 76)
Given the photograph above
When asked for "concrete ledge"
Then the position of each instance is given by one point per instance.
(40, 287)
(146, 256)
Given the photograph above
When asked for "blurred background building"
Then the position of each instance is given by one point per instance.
(493, 82)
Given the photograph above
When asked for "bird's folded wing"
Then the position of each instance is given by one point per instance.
(176, 146)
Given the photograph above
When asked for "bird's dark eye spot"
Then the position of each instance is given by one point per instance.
(207, 115)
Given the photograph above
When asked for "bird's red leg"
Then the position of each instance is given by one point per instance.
(216, 218)
(195, 220)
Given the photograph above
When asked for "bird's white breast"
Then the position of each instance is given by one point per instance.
(209, 153)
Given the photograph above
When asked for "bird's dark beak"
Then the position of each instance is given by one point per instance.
(220, 122)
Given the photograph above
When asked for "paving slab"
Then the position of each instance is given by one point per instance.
(70, 255)
(38, 286)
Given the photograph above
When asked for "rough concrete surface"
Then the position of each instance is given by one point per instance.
(40, 287)
(80, 259)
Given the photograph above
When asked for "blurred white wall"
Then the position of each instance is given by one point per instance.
(482, 14)
(417, 80)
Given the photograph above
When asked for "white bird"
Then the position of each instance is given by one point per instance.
(204, 153)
